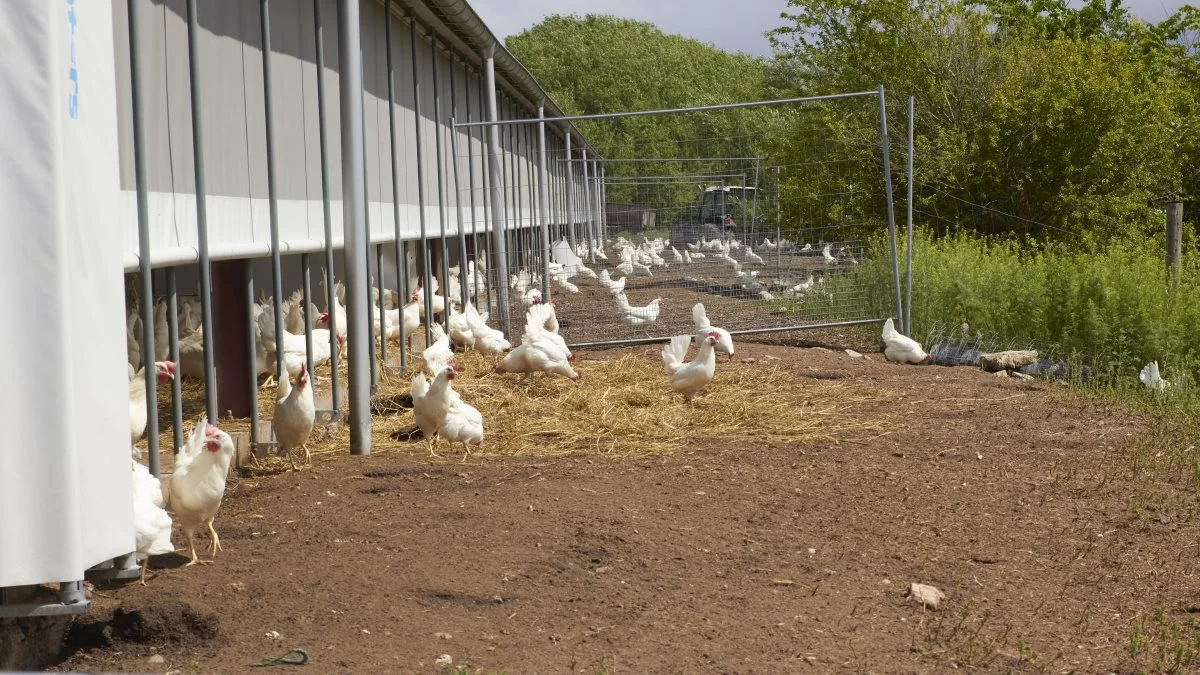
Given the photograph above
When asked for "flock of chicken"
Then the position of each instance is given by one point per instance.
(194, 490)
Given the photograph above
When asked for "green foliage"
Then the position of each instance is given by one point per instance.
(1033, 117)
(603, 64)
(1114, 311)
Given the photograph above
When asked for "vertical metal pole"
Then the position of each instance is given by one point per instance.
(252, 360)
(439, 152)
(272, 195)
(354, 214)
(570, 188)
(306, 287)
(908, 251)
(173, 340)
(382, 312)
(603, 204)
(587, 201)
(331, 300)
(146, 291)
(520, 254)
(210, 370)
(366, 195)
(471, 187)
(511, 226)
(401, 254)
(462, 241)
(458, 195)
(485, 173)
(778, 222)
(425, 274)
(753, 205)
(891, 216)
(543, 201)
(499, 253)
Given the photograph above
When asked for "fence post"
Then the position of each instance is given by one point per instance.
(908, 250)
(354, 218)
(543, 202)
(891, 216)
(499, 245)
(1174, 236)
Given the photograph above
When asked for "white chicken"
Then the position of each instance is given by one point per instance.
(900, 348)
(690, 378)
(295, 414)
(637, 316)
(463, 423)
(197, 485)
(540, 350)
(1152, 379)
(827, 255)
(151, 523)
(138, 414)
(431, 403)
(488, 340)
(438, 354)
(704, 327)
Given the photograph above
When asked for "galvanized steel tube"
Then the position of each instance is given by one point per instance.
(439, 151)
(143, 210)
(331, 298)
(499, 252)
(891, 216)
(425, 285)
(354, 218)
(264, 20)
(177, 382)
(401, 258)
(210, 370)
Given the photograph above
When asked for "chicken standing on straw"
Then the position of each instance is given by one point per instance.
(540, 350)
(197, 486)
(900, 348)
(692, 377)
(295, 414)
(431, 402)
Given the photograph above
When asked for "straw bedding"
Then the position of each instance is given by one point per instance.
(622, 406)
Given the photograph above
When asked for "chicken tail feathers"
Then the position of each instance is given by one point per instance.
(675, 351)
(699, 316)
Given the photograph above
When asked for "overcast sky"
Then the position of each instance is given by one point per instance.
(736, 26)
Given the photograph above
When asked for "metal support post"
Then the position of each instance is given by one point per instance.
(331, 299)
(272, 196)
(425, 272)
(499, 253)
(401, 256)
(908, 250)
(146, 286)
(354, 214)
(891, 216)
(206, 311)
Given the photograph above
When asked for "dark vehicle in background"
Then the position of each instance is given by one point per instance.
(720, 211)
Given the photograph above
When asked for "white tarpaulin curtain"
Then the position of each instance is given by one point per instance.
(65, 487)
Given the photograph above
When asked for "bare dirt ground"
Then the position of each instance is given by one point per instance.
(1061, 528)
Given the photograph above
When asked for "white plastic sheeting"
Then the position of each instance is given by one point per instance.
(65, 489)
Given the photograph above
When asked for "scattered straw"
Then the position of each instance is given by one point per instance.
(623, 406)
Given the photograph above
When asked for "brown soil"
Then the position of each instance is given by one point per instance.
(1059, 526)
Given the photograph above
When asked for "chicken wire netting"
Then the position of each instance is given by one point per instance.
(771, 218)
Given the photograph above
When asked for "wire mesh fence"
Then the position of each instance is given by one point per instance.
(632, 244)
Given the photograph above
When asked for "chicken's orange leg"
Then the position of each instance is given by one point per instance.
(145, 564)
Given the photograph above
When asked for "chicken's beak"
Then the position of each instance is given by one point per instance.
(729, 357)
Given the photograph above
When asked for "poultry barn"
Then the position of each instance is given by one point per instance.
(218, 154)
